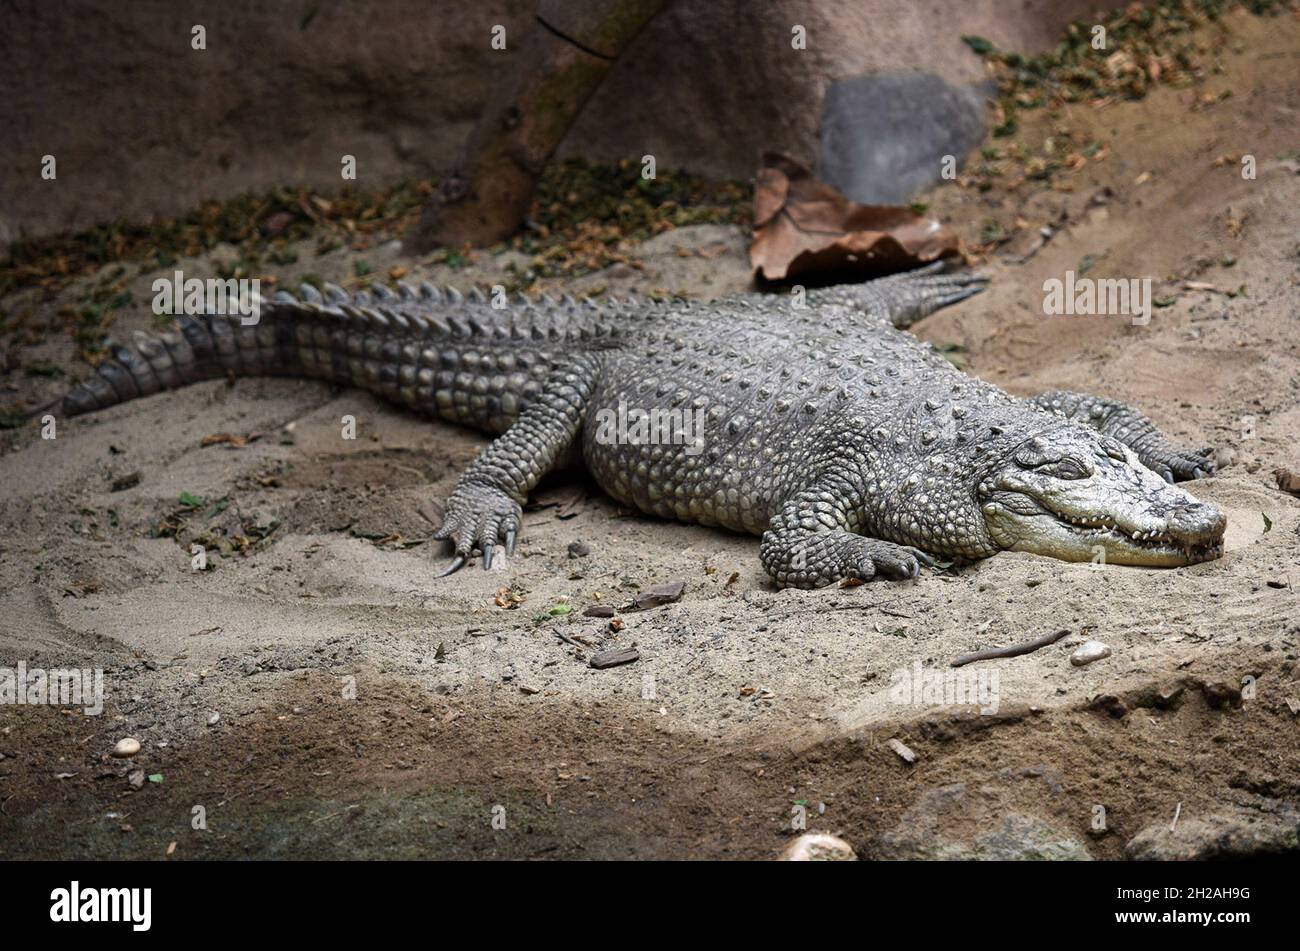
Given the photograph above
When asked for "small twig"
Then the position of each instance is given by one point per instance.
(334, 815)
(568, 640)
(910, 617)
(1015, 650)
(883, 609)
(1177, 812)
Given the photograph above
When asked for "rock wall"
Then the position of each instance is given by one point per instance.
(140, 123)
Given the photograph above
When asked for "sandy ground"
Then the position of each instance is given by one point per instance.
(326, 694)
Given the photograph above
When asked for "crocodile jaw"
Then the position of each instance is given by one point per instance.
(1122, 513)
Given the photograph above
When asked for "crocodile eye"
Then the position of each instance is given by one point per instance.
(1066, 469)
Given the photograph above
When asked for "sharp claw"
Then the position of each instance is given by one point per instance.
(1198, 473)
(1169, 476)
(487, 557)
(510, 542)
(457, 563)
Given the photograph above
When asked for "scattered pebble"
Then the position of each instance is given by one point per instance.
(1089, 651)
(214, 719)
(614, 657)
(1287, 480)
(903, 750)
(599, 610)
(657, 596)
(122, 483)
(126, 747)
(579, 550)
(136, 779)
(818, 847)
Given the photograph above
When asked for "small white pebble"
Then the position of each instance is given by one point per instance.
(1089, 651)
(903, 750)
(818, 847)
(126, 747)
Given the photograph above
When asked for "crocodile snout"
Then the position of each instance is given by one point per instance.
(1197, 523)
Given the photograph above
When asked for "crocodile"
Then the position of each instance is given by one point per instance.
(813, 419)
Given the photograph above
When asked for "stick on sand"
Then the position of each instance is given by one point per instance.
(1015, 650)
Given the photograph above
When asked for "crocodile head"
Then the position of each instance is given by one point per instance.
(1069, 492)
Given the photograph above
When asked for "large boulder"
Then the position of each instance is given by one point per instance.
(141, 123)
(885, 137)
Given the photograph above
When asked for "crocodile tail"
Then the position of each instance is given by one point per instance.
(427, 348)
(201, 348)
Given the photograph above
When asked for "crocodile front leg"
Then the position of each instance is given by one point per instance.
(486, 507)
(1154, 449)
(811, 542)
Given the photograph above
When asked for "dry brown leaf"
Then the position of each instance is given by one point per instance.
(232, 440)
(805, 227)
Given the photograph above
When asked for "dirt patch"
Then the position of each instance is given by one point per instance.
(392, 771)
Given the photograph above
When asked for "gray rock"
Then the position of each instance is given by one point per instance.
(1018, 839)
(954, 823)
(884, 136)
(1216, 836)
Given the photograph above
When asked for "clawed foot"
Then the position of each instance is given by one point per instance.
(875, 557)
(812, 560)
(1175, 464)
(478, 519)
(909, 296)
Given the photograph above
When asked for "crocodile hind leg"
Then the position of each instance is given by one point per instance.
(486, 506)
(1154, 449)
(811, 542)
(903, 299)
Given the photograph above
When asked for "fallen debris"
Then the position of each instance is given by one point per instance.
(128, 481)
(614, 657)
(1287, 481)
(509, 598)
(803, 226)
(904, 751)
(231, 440)
(656, 597)
(1015, 650)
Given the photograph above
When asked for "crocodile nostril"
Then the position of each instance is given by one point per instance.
(1199, 521)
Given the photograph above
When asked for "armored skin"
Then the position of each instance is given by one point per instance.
(817, 422)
